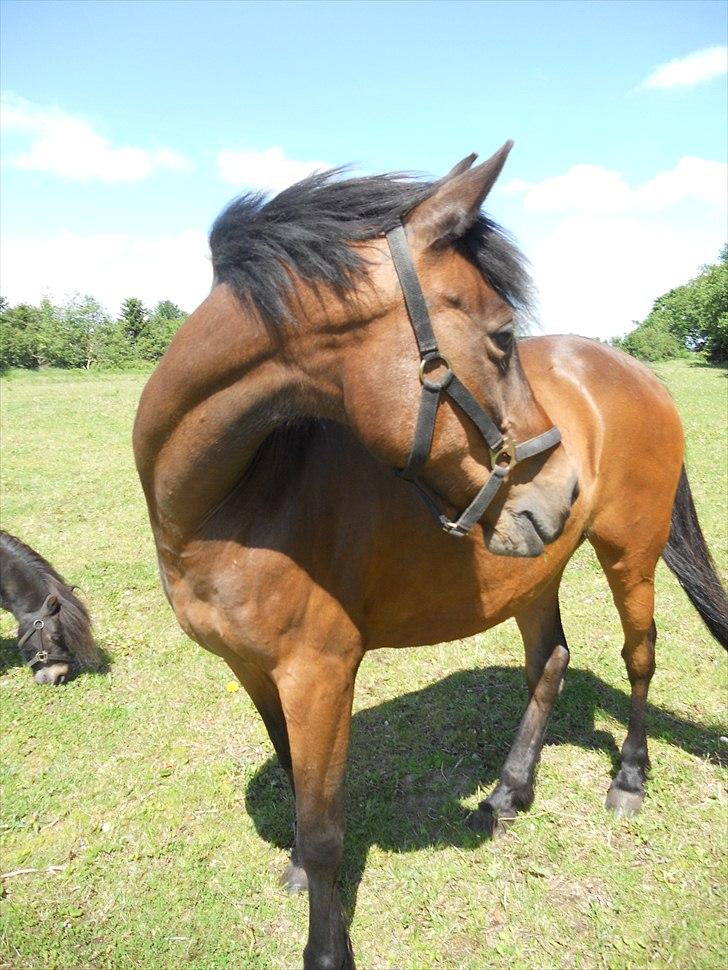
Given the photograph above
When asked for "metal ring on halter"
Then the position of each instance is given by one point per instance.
(507, 447)
(437, 385)
(38, 624)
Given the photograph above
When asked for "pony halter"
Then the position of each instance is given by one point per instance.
(42, 655)
(504, 453)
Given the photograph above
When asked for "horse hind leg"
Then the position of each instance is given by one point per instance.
(547, 657)
(631, 579)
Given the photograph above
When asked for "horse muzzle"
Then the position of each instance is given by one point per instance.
(54, 674)
(531, 518)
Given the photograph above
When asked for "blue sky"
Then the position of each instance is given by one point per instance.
(128, 125)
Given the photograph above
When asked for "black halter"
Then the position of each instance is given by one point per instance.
(504, 453)
(42, 654)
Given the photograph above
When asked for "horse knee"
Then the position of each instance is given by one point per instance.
(320, 845)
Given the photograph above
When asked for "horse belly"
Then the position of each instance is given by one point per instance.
(255, 604)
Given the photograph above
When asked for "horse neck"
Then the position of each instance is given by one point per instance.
(225, 384)
(26, 579)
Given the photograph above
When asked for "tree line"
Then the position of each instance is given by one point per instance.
(79, 333)
(688, 320)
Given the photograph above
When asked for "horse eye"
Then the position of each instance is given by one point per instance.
(503, 339)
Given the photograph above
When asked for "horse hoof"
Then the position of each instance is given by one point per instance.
(294, 879)
(624, 804)
(486, 821)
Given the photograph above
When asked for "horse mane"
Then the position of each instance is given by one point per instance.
(258, 243)
(74, 617)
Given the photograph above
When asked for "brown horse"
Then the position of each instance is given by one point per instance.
(265, 442)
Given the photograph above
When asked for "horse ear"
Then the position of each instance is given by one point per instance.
(52, 603)
(460, 167)
(455, 204)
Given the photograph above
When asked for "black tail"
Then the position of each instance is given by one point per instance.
(686, 553)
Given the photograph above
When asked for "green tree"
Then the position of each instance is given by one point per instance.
(133, 318)
(49, 347)
(693, 317)
(84, 323)
(652, 342)
(169, 310)
(19, 332)
(159, 330)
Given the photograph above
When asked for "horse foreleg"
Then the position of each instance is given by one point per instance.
(547, 657)
(263, 691)
(316, 693)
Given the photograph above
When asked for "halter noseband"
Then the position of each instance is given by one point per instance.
(42, 655)
(500, 447)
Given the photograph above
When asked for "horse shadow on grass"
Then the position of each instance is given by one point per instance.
(414, 758)
(10, 658)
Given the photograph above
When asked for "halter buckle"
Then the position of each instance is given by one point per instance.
(38, 624)
(454, 529)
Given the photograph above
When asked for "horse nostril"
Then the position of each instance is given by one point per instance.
(575, 491)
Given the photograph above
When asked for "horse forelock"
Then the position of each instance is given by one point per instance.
(260, 244)
(73, 615)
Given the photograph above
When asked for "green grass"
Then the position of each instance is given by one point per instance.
(155, 788)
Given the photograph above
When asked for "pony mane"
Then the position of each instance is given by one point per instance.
(74, 617)
(259, 243)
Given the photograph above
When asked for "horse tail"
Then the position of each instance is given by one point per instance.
(687, 555)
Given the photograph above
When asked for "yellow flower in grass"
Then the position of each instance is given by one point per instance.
(232, 686)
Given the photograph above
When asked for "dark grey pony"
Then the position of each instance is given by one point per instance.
(54, 628)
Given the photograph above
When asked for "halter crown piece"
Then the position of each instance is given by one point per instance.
(500, 447)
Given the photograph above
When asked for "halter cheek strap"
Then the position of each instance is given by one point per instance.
(42, 655)
(504, 453)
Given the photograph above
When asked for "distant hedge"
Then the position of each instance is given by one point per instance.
(79, 333)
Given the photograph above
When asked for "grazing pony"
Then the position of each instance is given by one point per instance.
(54, 628)
(364, 326)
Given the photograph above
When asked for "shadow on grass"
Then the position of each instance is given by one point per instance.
(414, 758)
(10, 658)
(710, 365)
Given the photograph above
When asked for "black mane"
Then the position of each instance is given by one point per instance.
(257, 243)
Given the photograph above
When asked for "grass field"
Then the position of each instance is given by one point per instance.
(152, 791)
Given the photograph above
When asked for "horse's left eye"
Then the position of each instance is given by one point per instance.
(503, 339)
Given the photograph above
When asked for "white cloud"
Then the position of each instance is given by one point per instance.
(603, 249)
(270, 170)
(598, 274)
(591, 188)
(686, 72)
(109, 266)
(69, 147)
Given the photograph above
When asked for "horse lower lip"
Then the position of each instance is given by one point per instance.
(532, 534)
(521, 540)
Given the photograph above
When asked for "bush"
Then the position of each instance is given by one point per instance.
(81, 334)
(693, 317)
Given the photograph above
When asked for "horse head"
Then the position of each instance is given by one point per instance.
(437, 325)
(42, 643)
